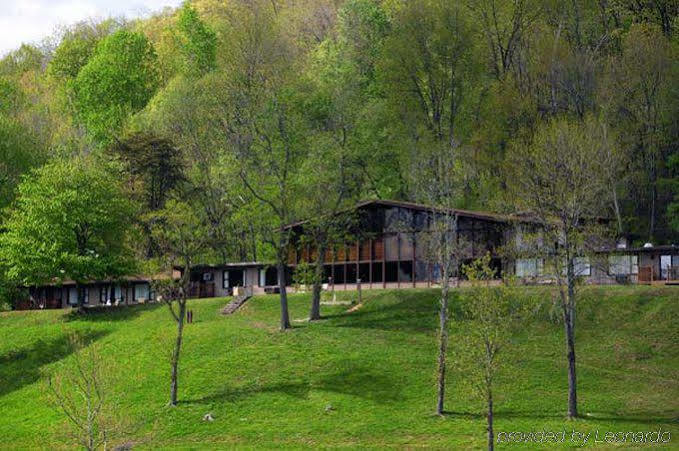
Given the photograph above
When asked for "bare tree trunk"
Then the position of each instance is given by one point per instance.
(175, 353)
(443, 345)
(569, 323)
(285, 318)
(315, 313)
(616, 208)
(491, 435)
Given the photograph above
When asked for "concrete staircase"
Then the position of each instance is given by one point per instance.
(241, 298)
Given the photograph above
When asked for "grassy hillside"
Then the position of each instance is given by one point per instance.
(375, 367)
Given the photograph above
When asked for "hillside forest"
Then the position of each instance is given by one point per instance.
(250, 114)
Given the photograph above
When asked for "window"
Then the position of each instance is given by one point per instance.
(406, 243)
(582, 267)
(141, 291)
(665, 264)
(339, 274)
(391, 272)
(73, 296)
(104, 293)
(377, 272)
(364, 272)
(405, 271)
(421, 272)
(351, 273)
(118, 293)
(225, 279)
(621, 265)
(391, 247)
(528, 267)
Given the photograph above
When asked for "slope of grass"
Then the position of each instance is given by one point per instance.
(362, 379)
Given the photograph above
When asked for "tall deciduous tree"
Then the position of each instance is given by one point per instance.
(558, 179)
(70, 222)
(262, 122)
(118, 80)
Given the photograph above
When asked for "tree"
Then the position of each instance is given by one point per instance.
(436, 181)
(182, 236)
(70, 221)
(82, 392)
(558, 178)
(637, 97)
(197, 42)
(332, 175)
(262, 123)
(156, 168)
(77, 46)
(504, 25)
(19, 152)
(118, 80)
(492, 314)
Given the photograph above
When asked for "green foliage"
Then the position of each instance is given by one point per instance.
(70, 221)
(304, 275)
(11, 96)
(493, 313)
(71, 55)
(24, 59)
(673, 188)
(197, 42)
(19, 151)
(181, 233)
(118, 80)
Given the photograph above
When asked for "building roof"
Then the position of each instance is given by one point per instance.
(488, 216)
(129, 279)
(672, 248)
(205, 267)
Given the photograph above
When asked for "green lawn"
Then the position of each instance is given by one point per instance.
(375, 367)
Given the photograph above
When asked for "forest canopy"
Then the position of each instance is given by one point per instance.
(245, 103)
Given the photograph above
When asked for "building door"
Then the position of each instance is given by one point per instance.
(236, 278)
(665, 264)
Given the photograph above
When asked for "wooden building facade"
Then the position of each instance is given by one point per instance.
(391, 248)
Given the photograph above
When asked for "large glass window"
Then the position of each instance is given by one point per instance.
(405, 271)
(391, 273)
(406, 243)
(351, 273)
(364, 272)
(339, 274)
(421, 271)
(391, 247)
(377, 272)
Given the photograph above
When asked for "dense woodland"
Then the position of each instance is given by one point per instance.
(255, 113)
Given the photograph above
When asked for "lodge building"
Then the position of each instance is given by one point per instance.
(388, 250)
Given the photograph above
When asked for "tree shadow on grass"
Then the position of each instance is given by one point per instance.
(22, 367)
(105, 313)
(360, 381)
(411, 313)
